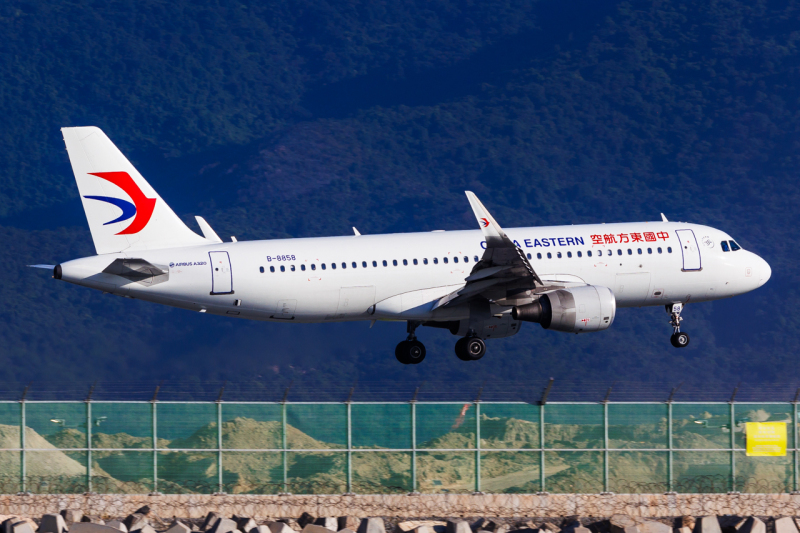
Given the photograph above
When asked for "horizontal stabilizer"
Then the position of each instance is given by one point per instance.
(138, 270)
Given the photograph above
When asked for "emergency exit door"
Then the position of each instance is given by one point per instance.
(690, 250)
(221, 275)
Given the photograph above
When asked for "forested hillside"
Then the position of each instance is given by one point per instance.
(305, 118)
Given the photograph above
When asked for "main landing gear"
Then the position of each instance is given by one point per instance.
(678, 339)
(410, 351)
(470, 348)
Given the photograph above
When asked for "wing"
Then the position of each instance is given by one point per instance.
(502, 270)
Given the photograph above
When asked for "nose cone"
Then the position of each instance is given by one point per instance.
(763, 272)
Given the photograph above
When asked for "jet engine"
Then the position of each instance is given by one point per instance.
(574, 310)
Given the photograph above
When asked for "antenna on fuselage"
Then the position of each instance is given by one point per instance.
(356, 232)
(663, 218)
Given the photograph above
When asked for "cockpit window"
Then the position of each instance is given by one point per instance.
(734, 246)
(724, 245)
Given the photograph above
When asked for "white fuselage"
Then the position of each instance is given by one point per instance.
(643, 264)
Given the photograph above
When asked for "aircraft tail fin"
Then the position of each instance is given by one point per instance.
(124, 212)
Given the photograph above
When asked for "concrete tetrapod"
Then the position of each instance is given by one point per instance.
(785, 525)
(751, 525)
(53, 523)
(375, 525)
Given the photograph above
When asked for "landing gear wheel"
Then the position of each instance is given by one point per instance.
(461, 349)
(470, 348)
(679, 339)
(476, 348)
(410, 352)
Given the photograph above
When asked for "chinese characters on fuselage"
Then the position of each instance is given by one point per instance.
(608, 238)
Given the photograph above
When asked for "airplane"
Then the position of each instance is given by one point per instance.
(478, 284)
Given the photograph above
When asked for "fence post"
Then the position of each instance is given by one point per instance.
(89, 444)
(349, 447)
(542, 403)
(283, 444)
(605, 446)
(669, 443)
(794, 443)
(153, 411)
(413, 446)
(220, 488)
(22, 463)
(733, 447)
(542, 477)
(478, 446)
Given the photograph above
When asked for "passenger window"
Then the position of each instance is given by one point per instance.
(313, 266)
(261, 269)
(558, 254)
(344, 265)
(455, 260)
(415, 262)
(639, 250)
(355, 265)
(272, 269)
(323, 266)
(374, 264)
(291, 268)
(435, 260)
(589, 253)
(283, 268)
(659, 249)
(649, 250)
(444, 260)
(394, 262)
(735, 246)
(530, 256)
(569, 254)
(549, 255)
(364, 264)
(303, 268)
(385, 263)
(619, 252)
(476, 258)
(538, 256)
(466, 259)
(669, 249)
(579, 254)
(724, 245)
(424, 260)
(405, 262)
(333, 266)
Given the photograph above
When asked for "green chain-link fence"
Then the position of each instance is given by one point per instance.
(371, 448)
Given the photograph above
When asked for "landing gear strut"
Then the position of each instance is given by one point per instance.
(410, 351)
(470, 348)
(678, 339)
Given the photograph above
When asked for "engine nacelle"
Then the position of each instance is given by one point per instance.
(575, 310)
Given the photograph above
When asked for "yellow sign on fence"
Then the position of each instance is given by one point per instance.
(766, 439)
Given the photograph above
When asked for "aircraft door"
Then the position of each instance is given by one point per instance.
(221, 274)
(354, 301)
(690, 250)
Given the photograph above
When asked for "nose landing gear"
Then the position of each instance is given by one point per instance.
(470, 348)
(410, 351)
(678, 339)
